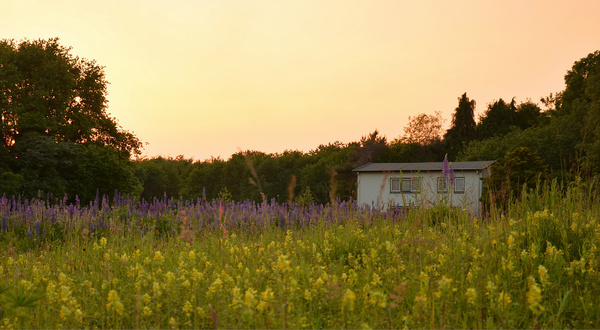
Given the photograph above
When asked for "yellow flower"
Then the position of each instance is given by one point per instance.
(146, 311)
(250, 297)
(421, 299)
(215, 287)
(173, 324)
(266, 297)
(283, 263)
(543, 273)
(114, 302)
(534, 296)
(504, 300)
(471, 295)
(187, 307)
(158, 256)
(348, 300)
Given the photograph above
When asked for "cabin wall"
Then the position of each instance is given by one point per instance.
(374, 189)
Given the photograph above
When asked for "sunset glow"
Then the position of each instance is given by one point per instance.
(204, 78)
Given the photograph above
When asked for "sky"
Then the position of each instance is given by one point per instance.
(204, 78)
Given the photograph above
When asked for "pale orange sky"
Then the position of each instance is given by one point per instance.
(202, 78)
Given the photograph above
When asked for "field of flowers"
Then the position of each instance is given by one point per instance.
(116, 263)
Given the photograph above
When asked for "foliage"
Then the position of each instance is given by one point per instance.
(519, 168)
(48, 91)
(57, 136)
(463, 126)
(533, 266)
(162, 176)
(424, 129)
(579, 108)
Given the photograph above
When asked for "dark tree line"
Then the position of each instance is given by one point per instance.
(57, 137)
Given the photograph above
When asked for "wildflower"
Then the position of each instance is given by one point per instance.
(445, 286)
(504, 300)
(158, 256)
(250, 298)
(543, 274)
(376, 280)
(377, 298)
(237, 298)
(307, 295)
(215, 287)
(187, 308)
(169, 277)
(173, 324)
(283, 263)
(471, 295)
(421, 299)
(534, 296)
(51, 293)
(266, 297)
(490, 287)
(114, 302)
(348, 300)
(156, 289)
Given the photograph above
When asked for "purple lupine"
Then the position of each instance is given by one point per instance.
(445, 167)
(451, 176)
(4, 222)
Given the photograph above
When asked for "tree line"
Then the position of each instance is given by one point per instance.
(58, 138)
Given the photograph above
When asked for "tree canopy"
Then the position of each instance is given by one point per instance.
(56, 133)
(463, 126)
(424, 129)
(45, 90)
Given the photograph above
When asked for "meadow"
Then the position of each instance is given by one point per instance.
(118, 263)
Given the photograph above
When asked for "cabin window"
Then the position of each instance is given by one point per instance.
(395, 185)
(442, 184)
(459, 185)
(405, 185)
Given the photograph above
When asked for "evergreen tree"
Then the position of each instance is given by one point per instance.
(463, 126)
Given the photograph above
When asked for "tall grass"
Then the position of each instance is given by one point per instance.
(283, 266)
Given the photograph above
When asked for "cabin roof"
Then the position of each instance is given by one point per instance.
(424, 167)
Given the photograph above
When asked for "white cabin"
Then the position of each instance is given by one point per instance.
(384, 185)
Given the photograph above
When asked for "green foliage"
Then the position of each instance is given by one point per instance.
(463, 126)
(56, 133)
(519, 168)
(11, 184)
(162, 176)
(424, 129)
(306, 198)
(46, 90)
(497, 120)
(225, 196)
(102, 170)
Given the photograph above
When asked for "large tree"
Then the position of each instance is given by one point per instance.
(424, 129)
(497, 119)
(46, 90)
(578, 109)
(463, 126)
(55, 128)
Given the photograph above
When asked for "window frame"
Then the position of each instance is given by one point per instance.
(442, 185)
(457, 191)
(405, 185)
(398, 185)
